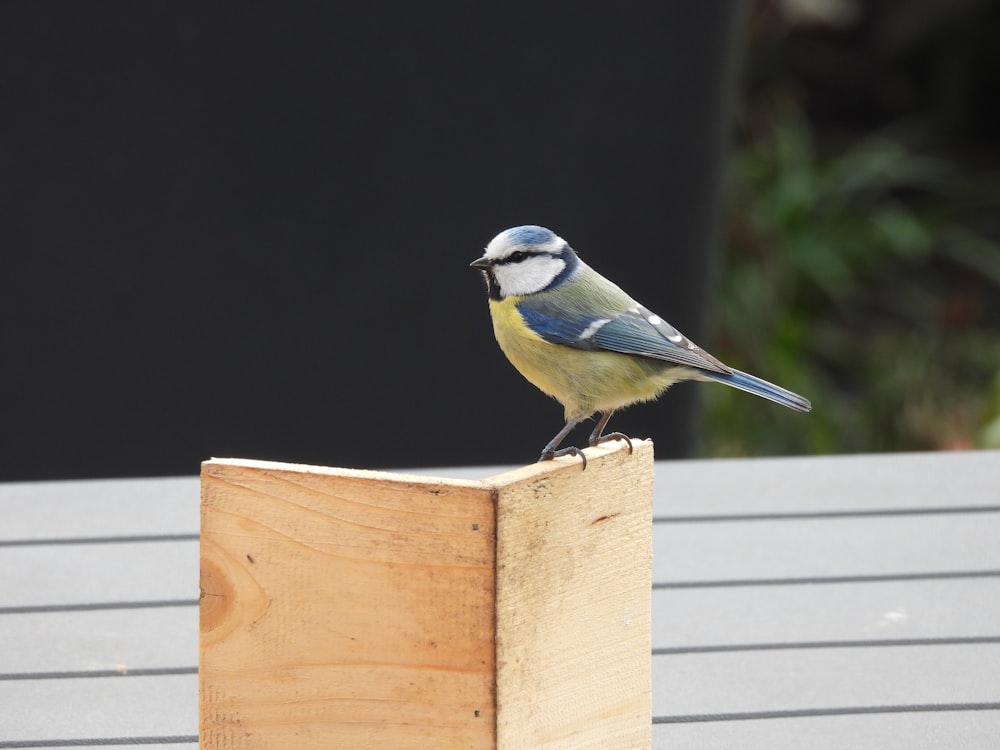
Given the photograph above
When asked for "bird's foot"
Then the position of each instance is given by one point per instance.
(548, 454)
(612, 436)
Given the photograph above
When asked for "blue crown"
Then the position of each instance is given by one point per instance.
(530, 235)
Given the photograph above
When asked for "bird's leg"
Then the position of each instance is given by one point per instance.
(596, 438)
(549, 451)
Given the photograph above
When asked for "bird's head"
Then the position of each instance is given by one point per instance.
(526, 260)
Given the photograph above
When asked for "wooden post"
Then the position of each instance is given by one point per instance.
(359, 609)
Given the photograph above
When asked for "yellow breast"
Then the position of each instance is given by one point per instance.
(583, 381)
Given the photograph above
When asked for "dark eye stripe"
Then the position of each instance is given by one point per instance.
(516, 257)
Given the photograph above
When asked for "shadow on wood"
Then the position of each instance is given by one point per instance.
(359, 609)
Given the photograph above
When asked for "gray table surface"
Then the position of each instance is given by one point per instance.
(828, 602)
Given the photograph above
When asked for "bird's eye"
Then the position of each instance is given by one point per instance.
(517, 257)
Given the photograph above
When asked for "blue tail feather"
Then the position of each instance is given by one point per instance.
(762, 388)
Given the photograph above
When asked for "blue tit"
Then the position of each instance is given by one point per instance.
(582, 340)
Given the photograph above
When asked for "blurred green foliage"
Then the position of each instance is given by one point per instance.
(865, 279)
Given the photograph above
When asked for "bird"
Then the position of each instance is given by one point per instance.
(581, 339)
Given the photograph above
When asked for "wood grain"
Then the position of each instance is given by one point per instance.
(356, 609)
(574, 562)
(345, 609)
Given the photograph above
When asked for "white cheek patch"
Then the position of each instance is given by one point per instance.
(531, 275)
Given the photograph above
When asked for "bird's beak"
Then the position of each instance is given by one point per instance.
(483, 264)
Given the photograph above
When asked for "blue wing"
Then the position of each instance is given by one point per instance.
(641, 333)
(637, 331)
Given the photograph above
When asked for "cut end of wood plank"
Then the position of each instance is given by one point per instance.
(616, 448)
(214, 465)
(599, 458)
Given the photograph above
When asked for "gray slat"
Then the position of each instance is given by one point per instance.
(964, 730)
(55, 575)
(110, 707)
(99, 508)
(827, 483)
(689, 618)
(116, 639)
(822, 548)
(762, 681)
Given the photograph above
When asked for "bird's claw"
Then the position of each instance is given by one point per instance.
(612, 436)
(548, 455)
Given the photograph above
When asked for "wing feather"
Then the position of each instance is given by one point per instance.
(636, 331)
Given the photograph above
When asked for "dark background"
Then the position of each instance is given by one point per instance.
(243, 229)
